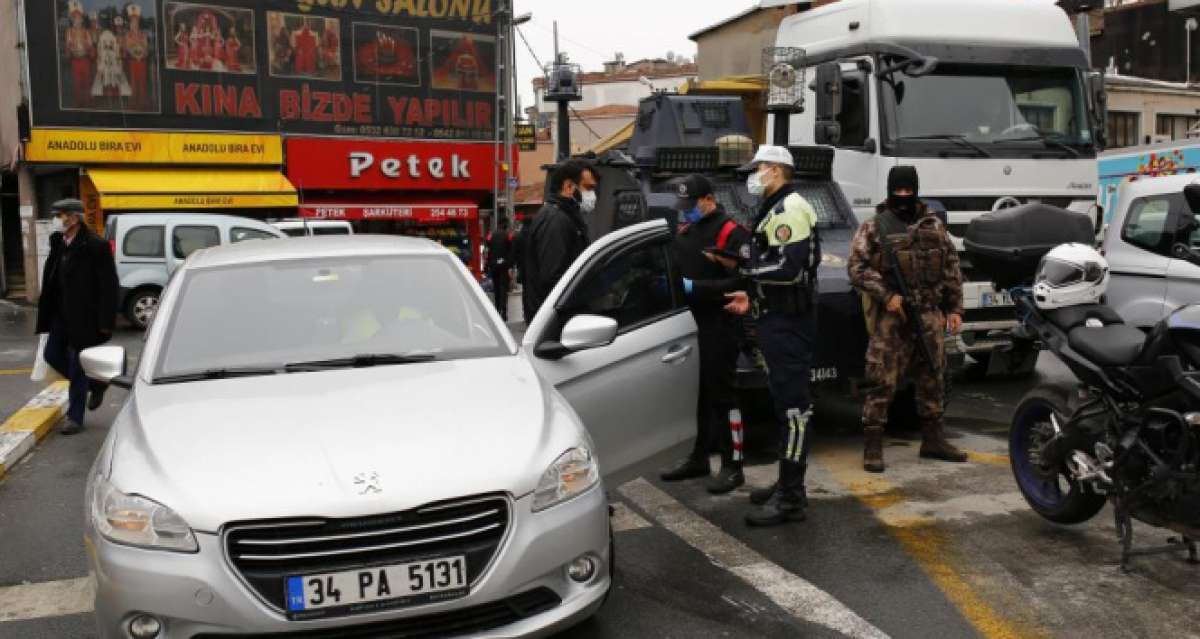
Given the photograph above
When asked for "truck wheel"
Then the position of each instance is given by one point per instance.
(141, 306)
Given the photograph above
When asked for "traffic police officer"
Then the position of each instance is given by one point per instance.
(783, 293)
(707, 249)
(921, 249)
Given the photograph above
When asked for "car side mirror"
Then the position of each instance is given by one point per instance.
(1184, 252)
(106, 364)
(584, 332)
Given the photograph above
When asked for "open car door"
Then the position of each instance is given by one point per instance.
(636, 393)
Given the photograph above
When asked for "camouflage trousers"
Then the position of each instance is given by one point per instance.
(893, 356)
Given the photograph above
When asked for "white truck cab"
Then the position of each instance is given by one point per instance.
(1151, 245)
(991, 100)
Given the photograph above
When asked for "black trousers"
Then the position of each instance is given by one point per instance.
(717, 336)
(787, 342)
(501, 285)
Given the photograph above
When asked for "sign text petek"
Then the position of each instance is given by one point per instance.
(411, 166)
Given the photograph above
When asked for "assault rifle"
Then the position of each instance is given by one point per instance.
(910, 308)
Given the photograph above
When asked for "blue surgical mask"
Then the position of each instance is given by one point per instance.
(692, 216)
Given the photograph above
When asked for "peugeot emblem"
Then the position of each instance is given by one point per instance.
(368, 483)
(1006, 202)
(1008, 170)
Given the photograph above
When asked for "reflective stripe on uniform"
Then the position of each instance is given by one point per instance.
(797, 425)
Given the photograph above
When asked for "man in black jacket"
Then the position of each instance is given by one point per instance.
(78, 305)
(499, 264)
(559, 233)
(707, 249)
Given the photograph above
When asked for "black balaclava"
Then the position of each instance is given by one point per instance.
(903, 176)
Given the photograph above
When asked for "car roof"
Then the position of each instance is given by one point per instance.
(293, 222)
(188, 218)
(1158, 185)
(325, 246)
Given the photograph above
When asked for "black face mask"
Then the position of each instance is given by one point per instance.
(904, 206)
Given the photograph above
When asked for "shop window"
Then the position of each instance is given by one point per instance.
(144, 241)
(240, 234)
(1124, 129)
(186, 240)
(633, 288)
(1176, 127)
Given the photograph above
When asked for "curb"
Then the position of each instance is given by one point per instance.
(30, 424)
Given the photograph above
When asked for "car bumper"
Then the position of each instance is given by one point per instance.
(200, 593)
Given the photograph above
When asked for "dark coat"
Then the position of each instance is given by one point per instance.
(80, 287)
(500, 250)
(710, 280)
(552, 242)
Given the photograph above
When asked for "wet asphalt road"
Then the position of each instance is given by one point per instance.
(926, 550)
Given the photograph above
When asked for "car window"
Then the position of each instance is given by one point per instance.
(297, 231)
(632, 287)
(144, 241)
(330, 230)
(1146, 226)
(241, 234)
(312, 309)
(186, 240)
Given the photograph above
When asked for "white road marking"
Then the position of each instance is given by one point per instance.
(795, 595)
(624, 519)
(47, 599)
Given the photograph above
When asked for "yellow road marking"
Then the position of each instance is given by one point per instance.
(991, 459)
(40, 414)
(931, 547)
(16, 371)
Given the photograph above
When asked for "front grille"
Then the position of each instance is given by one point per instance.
(461, 622)
(266, 553)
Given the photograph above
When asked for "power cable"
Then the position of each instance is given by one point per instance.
(541, 66)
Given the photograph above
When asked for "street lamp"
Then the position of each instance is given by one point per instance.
(1190, 26)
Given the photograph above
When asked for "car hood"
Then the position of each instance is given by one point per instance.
(313, 444)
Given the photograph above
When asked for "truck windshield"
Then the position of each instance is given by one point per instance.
(997, 109)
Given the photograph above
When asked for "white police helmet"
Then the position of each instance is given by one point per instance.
(1070, 275)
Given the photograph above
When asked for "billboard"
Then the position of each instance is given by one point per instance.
(356, 68)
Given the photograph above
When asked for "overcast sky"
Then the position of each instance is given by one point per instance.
(592, 32)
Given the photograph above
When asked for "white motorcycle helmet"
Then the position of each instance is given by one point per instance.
(1070, 275)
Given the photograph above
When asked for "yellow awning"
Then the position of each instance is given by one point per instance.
(619, 137)
(196, 188)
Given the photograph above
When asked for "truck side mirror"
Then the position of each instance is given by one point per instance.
(1098, 106)
(828, 89)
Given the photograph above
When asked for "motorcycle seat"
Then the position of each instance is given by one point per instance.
(1070, 317)
(1112, 345)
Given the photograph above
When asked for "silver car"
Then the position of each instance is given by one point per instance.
(367, 449)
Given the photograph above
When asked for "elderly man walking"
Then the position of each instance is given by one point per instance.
(78, 305)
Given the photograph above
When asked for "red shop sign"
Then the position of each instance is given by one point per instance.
(438, 212)
(341, 164)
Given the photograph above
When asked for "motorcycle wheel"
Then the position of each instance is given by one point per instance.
(1049, 491)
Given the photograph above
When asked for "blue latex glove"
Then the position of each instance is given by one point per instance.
(687, 286)
(692, 216)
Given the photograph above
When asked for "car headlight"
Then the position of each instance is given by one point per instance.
(570, 475)
(137, 521)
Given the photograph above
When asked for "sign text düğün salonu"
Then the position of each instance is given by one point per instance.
(480, 11)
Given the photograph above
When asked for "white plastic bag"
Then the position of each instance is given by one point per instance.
(42, 371)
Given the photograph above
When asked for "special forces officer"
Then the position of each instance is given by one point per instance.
(783, 294)
(707, 249)
(906, 240)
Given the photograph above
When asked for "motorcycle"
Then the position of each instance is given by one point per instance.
(1128, 434)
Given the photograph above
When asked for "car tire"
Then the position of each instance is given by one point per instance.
(141, 305)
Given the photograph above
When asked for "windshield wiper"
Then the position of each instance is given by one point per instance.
(1054, 144)
(361, 361)
(214, 373)
(951, 137)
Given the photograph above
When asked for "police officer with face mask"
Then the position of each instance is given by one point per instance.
(707, 249)
(783, 298)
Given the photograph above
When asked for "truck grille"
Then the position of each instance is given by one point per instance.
(266, 553)
(458, 623)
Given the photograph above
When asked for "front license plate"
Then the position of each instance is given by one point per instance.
(997, 298)
(370, 588)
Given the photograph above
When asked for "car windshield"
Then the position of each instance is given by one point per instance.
(269, 315)
(987, 106)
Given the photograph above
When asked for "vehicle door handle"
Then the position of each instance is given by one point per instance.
(677, 355)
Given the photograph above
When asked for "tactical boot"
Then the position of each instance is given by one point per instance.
(71, 427)
(778, 510)
(873, 450)
(935, 446)
(728, 479)
(690, 468)
(761, 496)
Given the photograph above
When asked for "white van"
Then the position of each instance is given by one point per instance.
(302, 227)
(139, 244)
(1146, 243)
